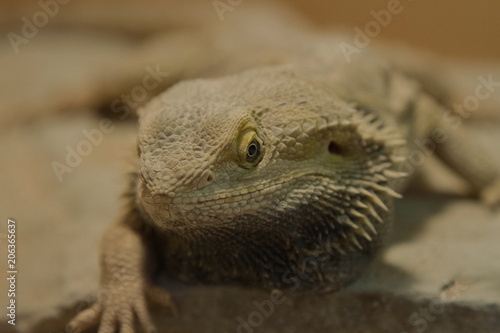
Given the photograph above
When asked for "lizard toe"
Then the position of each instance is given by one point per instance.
(85, 319)
(108, 321)
(126, 320)
(142, 312)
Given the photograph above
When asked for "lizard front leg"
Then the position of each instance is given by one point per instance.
(465, 156)
(125, 285)
(462, 153)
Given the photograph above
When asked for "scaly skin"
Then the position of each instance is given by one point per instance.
(251, 177)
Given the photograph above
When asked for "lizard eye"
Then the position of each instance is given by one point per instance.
(253, 151)
(249, 148)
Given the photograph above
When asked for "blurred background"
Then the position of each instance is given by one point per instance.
(463, 29)
(58, 50)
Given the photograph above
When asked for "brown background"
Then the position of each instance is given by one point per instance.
(463, 29)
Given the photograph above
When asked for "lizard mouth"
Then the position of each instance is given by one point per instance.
(270, 187)
(355, 211)
(360, 200)
(277, 185)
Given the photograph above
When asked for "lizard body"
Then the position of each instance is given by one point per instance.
(248, 177)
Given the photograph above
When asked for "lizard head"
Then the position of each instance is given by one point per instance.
(264, 146)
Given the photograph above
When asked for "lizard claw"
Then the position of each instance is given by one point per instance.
(162, 297)
(117, 307)
(86, 318)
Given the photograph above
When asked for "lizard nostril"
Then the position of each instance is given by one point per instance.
(206, 178)
(335, 148)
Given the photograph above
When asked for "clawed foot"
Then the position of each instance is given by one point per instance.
(117, 307)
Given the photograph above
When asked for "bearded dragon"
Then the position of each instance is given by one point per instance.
(243, 178)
